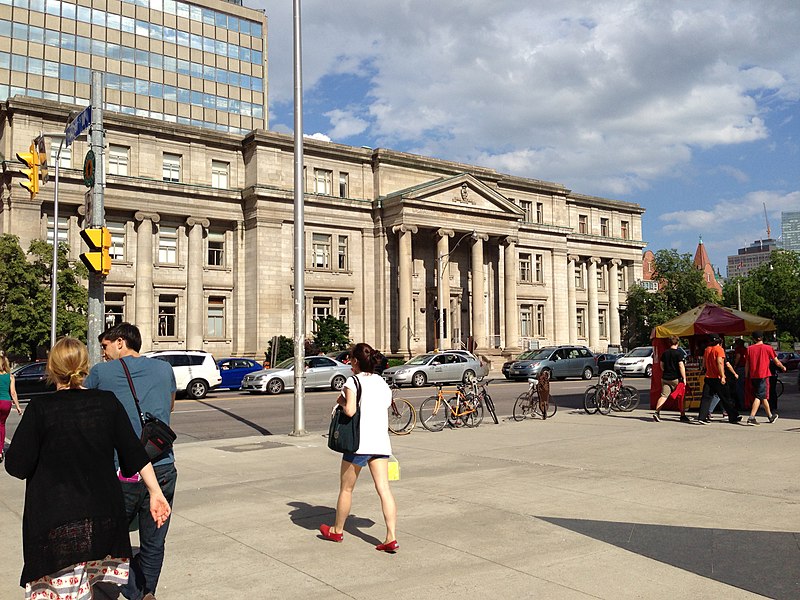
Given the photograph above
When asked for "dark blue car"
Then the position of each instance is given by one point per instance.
(233, 371)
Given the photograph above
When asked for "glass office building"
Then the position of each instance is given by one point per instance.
(201, 63)
(790, 228)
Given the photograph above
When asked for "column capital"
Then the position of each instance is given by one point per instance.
(573, 258)
(484, 237)
(141, 216)
(404, 228)
(192, 221)
(445, 233)
(509, 240)
(595, 260)
(616, 262)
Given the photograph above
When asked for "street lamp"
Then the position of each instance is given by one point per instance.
(441, 265)
(54, 272)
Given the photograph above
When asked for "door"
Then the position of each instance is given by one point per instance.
(319, 371)
(435, 370)
(561, 362)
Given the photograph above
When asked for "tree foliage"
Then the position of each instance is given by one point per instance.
(332, 334)
(25, 297)
(285, 349)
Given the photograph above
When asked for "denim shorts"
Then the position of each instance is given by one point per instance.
(759, 386)
(361, 460)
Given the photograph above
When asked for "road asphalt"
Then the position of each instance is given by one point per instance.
(578, 506)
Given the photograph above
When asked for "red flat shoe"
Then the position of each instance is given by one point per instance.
(326, 532)
(388, 546)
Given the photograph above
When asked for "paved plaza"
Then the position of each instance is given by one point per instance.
(578, 506)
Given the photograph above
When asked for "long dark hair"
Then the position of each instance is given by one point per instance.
(365, 356)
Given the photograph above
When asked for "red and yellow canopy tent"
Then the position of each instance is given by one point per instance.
(696, 325)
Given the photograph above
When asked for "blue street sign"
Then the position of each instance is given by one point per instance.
(77, 125)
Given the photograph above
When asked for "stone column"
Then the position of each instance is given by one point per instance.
(443, 299)
(404, 272)
(613, 302)
(478, 312)
(194, 284)
(510, 294)
(572, 305)
(143, 318)
(560, 332)
(594, 324)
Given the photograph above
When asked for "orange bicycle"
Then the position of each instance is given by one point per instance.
(461, 409)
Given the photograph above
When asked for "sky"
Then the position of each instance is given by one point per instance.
(689, 108)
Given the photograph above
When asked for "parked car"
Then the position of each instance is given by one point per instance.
(559, 361)
(196, 371)
(321, 371)
(638, 361)
(233, 370)
(605, 362)
(790, 360)
(30, 380)
(343, 356)
(524, 356)
(440, 367)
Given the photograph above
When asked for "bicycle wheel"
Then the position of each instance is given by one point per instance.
(603, 403)
(402, 417)
(487, 401)
(548, 408)
(590, 399)
(629, 398)
(778, 388)
(433, 413)
(473, 407)
(523, 407)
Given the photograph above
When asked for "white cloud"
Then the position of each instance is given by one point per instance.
(345, 124)
(318, 136)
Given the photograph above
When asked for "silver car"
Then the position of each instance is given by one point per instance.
(321, 371)
(445, 367)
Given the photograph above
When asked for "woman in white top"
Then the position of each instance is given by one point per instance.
(374, 447)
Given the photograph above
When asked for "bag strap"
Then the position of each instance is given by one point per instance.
(358, 392)
(133, 390)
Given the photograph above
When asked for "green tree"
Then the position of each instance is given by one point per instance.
(285, 349)
(332, 334)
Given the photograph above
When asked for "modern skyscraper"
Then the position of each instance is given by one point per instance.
(790, 229)
(749, 258)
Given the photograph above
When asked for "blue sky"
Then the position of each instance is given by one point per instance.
(689, 108)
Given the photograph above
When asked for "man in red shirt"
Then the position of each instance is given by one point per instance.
(756, 368)
(714, 384)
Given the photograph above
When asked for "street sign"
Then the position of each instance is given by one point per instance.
(88, 169)
(77, 125)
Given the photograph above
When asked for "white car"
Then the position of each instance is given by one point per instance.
(638, 361)
(196, 372)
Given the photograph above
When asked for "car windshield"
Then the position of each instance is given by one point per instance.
(420, 360)
(540, 354)
(286, 364)
(527, 355)
(641, 351)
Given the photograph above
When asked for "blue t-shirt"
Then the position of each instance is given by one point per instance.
(153, 380)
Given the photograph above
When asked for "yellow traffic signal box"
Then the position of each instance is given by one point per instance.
(97, 260)
(31, 159)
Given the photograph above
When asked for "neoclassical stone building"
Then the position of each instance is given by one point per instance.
(202, 229)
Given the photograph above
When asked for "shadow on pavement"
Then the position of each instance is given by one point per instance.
(256, 426)
(311, 517)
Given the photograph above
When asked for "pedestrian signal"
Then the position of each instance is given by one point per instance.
(31, 159)
(97, 260)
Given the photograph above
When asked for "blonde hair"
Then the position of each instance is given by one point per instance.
(5, 366)
(68, 363)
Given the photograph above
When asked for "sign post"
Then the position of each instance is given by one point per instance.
(95, 219)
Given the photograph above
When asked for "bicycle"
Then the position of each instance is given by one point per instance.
(482, 395)
(609, 394)
(402, 415)
(536, 401)
(437, 411)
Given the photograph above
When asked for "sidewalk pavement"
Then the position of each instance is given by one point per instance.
(578, 506)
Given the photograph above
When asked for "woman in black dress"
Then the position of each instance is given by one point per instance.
(74, 529)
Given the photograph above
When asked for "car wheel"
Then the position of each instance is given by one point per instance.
(648, 371)
(275, 386)
(337, 383)
(419, 379)
(468, 376)
(588, 373)
(197, 389)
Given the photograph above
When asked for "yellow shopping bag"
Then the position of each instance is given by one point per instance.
(394, 469)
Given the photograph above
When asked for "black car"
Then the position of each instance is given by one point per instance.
(30, 380)
(605, 362)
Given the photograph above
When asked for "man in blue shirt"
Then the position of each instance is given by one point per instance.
(154, 382)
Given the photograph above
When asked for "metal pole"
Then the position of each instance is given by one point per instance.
(440, 300)
(54, 272)
(299, 236)
(739, 293)
(96, 219)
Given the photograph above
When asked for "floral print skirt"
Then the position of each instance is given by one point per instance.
(75, 582)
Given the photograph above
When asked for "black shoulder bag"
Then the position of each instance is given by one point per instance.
(157, 437)
(344, 432)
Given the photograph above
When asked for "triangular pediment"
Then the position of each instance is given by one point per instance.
(458, 192)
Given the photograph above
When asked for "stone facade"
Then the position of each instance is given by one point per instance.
(203, 261)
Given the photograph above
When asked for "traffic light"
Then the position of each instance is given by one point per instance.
(97, 260)
(44, 174)
(31, 159)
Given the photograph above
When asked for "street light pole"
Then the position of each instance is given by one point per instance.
(54, 271)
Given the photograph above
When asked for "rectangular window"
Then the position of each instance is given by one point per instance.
(580, 322)
(216, 247)
(172, 167)
(601, 322)
(601, 278)
(342, 264)
(167, 245)
(117, 231)
(527, 208)
(624, 230)
(583, 224)
(320, 308)
(323, 181)
(539, 212)
(321, 251)
(63, 230)
(540, 320)
(525, 321)
(64, 159)
(620, 278)
(118, 160)
(343, 312)
(115, 309)
(219, 174)
(344, 185)
(525, 267)
(216, 317)
(167, 315)
(579, 277)
(604, 227)
(539, 269)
